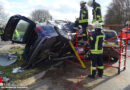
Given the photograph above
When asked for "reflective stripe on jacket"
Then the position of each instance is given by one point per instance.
(96, 42)
(83, 15)
(16, 33)
(97, 16)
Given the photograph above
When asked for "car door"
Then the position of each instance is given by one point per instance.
(19, 29)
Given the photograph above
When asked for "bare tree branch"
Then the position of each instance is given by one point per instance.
(118, 12)
(40, 15)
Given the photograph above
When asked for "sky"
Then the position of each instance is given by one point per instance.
(59, 9)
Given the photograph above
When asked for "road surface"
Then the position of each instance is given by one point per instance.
(110, 81)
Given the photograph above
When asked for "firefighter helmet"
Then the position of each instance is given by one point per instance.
(90, 3)
(82, 2)
(128, 23)
(97, 25)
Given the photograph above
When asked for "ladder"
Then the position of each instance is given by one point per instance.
(80, 46)
(123, 52)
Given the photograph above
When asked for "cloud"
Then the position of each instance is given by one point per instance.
(59, 9)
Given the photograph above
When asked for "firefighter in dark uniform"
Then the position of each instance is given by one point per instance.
(82, 20)
(96, 49)
(97, 16)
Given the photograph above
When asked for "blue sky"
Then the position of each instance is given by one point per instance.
(59, 9)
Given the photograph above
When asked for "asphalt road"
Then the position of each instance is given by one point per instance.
(112, 81)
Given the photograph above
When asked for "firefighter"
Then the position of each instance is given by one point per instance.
(128, 24)
(83, 19)
(96, 49)
(97, 16)
(16, 35)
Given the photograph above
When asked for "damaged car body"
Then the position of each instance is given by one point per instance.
(49, 42)
(46, 42)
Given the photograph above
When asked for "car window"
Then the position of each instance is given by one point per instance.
(129, 31)
(20, 31)
(108, 35)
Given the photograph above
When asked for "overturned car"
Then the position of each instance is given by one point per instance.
(46, 42)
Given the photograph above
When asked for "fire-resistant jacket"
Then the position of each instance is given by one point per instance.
(97, 16)
(83, 15)
(96, 42)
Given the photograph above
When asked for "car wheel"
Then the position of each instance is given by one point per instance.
(115, 59)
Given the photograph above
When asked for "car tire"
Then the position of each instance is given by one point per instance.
(115, 59)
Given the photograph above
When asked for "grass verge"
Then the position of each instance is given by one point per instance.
(18, 76)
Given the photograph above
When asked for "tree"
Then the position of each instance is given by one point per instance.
(40, 15)
(3, 17)
(118, 12)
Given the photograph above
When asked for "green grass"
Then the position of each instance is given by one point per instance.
(18, 50)
(18, 76)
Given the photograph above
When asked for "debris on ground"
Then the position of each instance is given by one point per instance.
(18, 69)
(1, 84)
(5, 79)
(1, 72)
(8, 58)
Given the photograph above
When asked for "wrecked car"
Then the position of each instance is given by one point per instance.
(46, 42)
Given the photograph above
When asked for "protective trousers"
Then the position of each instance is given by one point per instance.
(97, 59)
(84, 28)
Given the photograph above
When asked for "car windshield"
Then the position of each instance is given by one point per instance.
(110, 34)
(129, 31)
